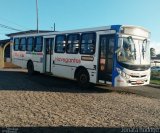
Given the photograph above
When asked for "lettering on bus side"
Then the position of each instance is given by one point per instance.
(68, 60)
(18, 54)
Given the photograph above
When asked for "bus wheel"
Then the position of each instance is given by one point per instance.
(83, 79)
(30, 68)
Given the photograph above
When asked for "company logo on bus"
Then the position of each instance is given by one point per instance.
(68, 60)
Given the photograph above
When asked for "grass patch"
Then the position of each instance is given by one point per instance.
(155, 74)
(155, 78)
(155, 81)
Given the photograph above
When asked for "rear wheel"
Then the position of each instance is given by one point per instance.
(30, 68)
(83, 79)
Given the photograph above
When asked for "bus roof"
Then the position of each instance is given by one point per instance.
(46, 33)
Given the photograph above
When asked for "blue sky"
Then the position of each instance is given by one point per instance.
(75, 14)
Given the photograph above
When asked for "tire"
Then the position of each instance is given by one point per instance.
(30, 68)
(83, 79)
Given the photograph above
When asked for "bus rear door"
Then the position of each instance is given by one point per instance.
(48, 53)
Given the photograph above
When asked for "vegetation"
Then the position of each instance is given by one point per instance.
(158, 55)
(155, 78)
(155, 81)
(152, 52)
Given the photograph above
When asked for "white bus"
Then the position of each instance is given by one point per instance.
(118, 55)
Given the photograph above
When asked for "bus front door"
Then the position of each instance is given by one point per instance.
(48, 53)
(106, 52)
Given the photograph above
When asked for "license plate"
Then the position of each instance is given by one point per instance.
(139, 82)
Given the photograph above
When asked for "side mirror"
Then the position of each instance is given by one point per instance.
(144, 45)
(130, 39)
(144, 41)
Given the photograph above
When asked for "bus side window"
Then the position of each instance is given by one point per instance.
(22, 45)
(30, 44)
(38, 44)
(16, 44)
(60, 44)
(88, 41)
(73, 43)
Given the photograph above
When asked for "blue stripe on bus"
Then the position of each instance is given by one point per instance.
(116, 27)
(115, 65)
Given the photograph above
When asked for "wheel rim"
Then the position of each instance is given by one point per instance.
(83, 78)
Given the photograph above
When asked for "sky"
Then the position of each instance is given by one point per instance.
(76, 14)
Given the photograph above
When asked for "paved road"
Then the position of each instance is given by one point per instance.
(18, 79)
(45, 101)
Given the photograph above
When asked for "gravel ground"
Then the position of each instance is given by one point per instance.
(19, 108)
(43, 101)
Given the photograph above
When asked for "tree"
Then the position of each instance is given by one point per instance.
(158, 56)
(152, 52)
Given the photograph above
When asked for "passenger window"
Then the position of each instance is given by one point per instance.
(30, 44)
(88, 42)
(38, 44)
(73, 44)
(16, 44)
(22, 45)
(60, 44)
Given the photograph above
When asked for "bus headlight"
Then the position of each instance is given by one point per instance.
(123, 74)
(127, 76)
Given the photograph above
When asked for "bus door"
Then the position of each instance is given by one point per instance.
(48, 53)
(106, 52)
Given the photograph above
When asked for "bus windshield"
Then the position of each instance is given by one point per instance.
(134, 52)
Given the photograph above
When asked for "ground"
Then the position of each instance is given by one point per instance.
(45, 101)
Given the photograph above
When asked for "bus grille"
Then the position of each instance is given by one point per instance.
(138, 76)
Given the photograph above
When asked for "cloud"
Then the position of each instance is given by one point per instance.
(155, 45)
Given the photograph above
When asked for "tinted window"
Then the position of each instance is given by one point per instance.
(22, 45)
(60, 44)
(88, 42)
(111, 47)
(16, 44)
(30, 44)
(38, 44)
(73, 44)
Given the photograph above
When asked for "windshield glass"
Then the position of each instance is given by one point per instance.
(134, 51)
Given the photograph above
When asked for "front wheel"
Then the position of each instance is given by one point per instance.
(83, 79)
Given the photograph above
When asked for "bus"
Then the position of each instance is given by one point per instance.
(118, 55)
